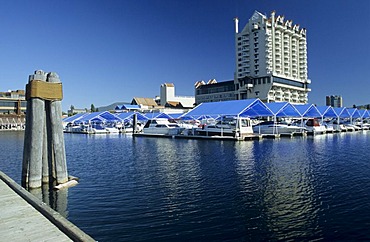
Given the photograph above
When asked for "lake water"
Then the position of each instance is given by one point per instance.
(148, 189)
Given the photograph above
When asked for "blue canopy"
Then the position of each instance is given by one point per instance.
(175, 115)
(364, 113)
(283, 109)
(354, 113)
(118, 107)
(245, 108)
(98, 117)
(130, 115)
(327, 111)
(308, 110)
(342, 112)
(127, 107)
(158, 115)
(74, 117)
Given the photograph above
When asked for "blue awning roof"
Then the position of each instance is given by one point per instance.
(327, 112)
(74, 117)
(245, 108)
(354, 113)
(308, 110)
(283, 109)
(98, 117)
(158, 115)
(130, 115)
(342, 112)
(175, 115)
(127, 107)
(364, 113)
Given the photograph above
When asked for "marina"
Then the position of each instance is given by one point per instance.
(251, 156)
(238, 120)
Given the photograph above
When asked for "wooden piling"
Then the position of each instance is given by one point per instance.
(134, 124)
(57, 136)
(44, 158)
(34, 138)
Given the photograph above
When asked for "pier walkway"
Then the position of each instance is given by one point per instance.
(24, 218)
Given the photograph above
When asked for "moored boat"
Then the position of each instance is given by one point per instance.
(226, 126)
(271, 127)
(161, 126)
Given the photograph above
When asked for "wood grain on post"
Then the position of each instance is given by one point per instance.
(34, 138)
(56, 139)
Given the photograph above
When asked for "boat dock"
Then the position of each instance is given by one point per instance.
(214, 137)
(25, 218)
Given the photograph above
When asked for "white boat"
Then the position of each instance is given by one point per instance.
(271, 127)
(329, 128)
(76, 128)
(351, 127)
(97, 128)
(112, 128)
(227, 126)
(314, 127)
(161, 126)
(128, 128)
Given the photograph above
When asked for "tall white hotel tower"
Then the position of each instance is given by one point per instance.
(271, 60)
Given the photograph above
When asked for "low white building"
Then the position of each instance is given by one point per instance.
(168, 97)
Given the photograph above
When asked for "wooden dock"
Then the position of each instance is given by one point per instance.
(25, 218)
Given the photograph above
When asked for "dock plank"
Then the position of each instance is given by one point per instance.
(19, 221)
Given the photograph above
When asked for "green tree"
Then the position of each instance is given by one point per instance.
(92, 108)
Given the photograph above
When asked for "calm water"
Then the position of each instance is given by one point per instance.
(147, 189)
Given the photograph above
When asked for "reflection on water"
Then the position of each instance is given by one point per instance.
(289, 195)
(137, 189)
(57, 200)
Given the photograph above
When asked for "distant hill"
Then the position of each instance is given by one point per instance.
(111, 106)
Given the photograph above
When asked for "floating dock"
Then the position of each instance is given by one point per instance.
(25, 218)
(214, 137)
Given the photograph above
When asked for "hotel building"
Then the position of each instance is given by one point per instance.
(213, 91)
(335, 101)
(271, 60)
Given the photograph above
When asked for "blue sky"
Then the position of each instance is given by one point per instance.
(112, 51)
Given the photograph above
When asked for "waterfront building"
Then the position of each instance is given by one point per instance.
(144, 103)
(271, 60)
(335, 101)
(13, 102)
(13, 107)
(169, 99)
(73, 111)
(214, 91)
